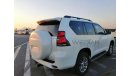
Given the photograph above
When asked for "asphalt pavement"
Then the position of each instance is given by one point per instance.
(25, 66)
(20, 39)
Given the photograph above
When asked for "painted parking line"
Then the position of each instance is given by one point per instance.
(16, 52)
(27, 71)
(48, 71)
(100, 64)
(20, 45)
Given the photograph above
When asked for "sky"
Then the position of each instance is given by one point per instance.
(28, 12)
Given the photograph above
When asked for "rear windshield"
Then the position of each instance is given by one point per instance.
(49, 22)
(49, 25)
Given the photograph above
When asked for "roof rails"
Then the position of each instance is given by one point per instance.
(66, 16)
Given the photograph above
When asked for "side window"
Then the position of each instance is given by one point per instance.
(77, 27)
(89, 28)
(99, 29)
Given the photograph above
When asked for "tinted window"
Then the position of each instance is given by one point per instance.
(98, 29)
(77, 27)
(89, 28)
(49, 25)
(48, 22)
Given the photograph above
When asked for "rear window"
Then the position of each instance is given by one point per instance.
(89, 28)
(49, 25)
(49, 22)
(77, 27)
(82, 28)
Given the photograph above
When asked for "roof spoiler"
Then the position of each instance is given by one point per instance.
(66, 16)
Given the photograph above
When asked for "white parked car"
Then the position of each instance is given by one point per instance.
(66, 42)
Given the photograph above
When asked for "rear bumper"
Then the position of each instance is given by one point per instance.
(59, 64)
(45, 63)
(62, 60)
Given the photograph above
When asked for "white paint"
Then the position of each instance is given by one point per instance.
(27, 61)
(28, 72)
(43, 45)
(16, 52)
(20, 45)
(100, 64)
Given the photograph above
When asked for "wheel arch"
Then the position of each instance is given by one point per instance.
(86, 50)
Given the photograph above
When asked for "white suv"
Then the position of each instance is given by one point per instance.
(66, 42)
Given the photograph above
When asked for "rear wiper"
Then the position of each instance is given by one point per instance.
(50, 33)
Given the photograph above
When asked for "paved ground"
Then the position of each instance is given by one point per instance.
(24, 66)
(20, 39)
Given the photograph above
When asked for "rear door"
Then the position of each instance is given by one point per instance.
(85, 35)
(93, 39)
(43, 39)
(100, 32)
(50, 26)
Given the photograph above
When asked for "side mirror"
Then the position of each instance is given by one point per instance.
(108, 32)
(101, 33)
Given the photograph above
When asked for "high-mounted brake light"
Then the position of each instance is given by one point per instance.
(61, 40)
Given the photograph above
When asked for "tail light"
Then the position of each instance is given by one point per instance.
(61, 39)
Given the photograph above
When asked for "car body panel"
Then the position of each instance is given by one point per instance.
(65, 56)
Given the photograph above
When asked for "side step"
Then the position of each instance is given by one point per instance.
(98, 56)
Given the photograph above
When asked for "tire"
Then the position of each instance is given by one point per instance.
(82, 63)
(110, 51)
